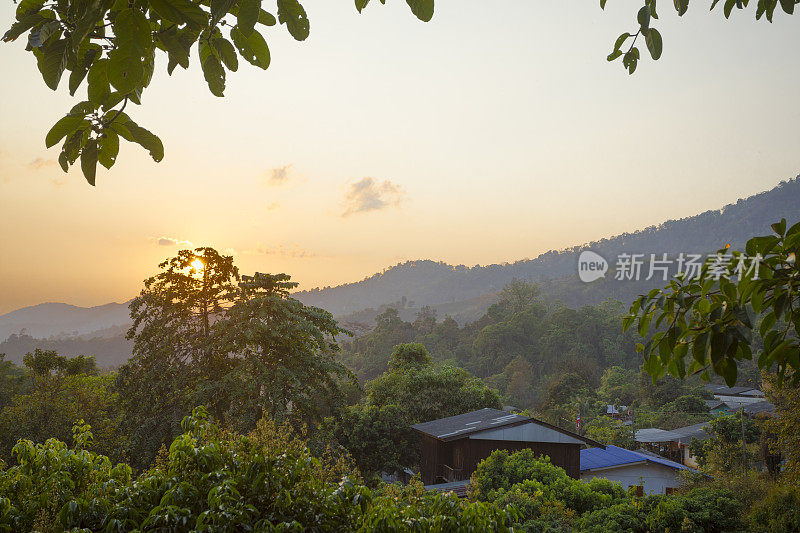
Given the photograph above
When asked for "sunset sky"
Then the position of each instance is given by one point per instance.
(494, 133)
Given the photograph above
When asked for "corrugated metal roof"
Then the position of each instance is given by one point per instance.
(464, 424)
(460, 426)
(612, 456)
(460, 488)
(683, 434)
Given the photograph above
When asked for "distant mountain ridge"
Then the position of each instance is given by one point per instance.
(434, 283)
(60, 319)
(465, 292)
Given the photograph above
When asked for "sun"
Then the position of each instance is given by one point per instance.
(197, 265)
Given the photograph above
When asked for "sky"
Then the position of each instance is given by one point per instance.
(493, 133)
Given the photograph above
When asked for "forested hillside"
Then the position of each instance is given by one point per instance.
(420, 283)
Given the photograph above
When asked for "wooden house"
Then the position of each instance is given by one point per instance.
(452, 447)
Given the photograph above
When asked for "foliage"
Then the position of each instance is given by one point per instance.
(609, 431)
(430, 391)
(377, 437)
(782, 428)
(778, 511)
(212, 481)
(652, 37)
(703, 509)
(240, 345)
(113, 46)
(376, 431)
(63, 390)
(714, 318)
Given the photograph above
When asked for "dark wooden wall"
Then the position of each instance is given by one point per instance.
(466, 454)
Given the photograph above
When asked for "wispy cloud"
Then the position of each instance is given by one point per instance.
(39, 163)
(172, 241)
(283, 250)
(369, 194)
(278, 175)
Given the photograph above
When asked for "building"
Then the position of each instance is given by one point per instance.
(452, 447)
(735, 397)
(649, 473)
(673, 444)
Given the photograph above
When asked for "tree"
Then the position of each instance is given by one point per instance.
(242, 346)
(63, 391)
(215, 481)
(652, 36)
(377, 437)
(429, 391)
(113, 46)
(709, 323)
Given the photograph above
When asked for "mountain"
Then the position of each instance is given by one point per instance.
(64, 320)
(458, 291)
(419, 283)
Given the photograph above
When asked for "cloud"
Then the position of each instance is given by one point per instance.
(285, 251)
(278, 175)
(172, 241)
(368, 194)
(39, 163)
(273, 206)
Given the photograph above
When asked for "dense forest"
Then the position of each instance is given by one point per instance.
(242, 405)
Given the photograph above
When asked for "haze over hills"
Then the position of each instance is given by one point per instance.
(434, 283)
(59, 319)
(459, 291)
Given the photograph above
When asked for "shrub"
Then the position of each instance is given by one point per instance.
(778, 511)
(708, 510)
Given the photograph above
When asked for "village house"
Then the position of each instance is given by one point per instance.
(649, 473)
(452, 447)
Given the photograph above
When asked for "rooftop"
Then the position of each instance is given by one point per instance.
(613, 456)
(683, 434)
(472, 422)
(484, 421)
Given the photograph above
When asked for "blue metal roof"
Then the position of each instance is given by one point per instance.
(592, 458)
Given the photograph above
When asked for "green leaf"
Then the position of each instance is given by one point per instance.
(729, 7)
(93, 15)
(64, 127)
(99, 88)
(226, 52)
(654, 44)
(28, 7)
(613, 55)
(621, 40)
(681, 6)
(108, 148)
(133, 30)
(146, 139)
(125, 69)
(422, 9)
(248, 15)
(178, 53)
(87, 55)
(266, 19)
(788, 6)
(53, 61)
(361, 4)
(180, 12)
(643, 17)
(292, 13)
(602, 4)
(89, 161)
(212, 70)
(252, 47)
(219, 8)
(780, 227)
